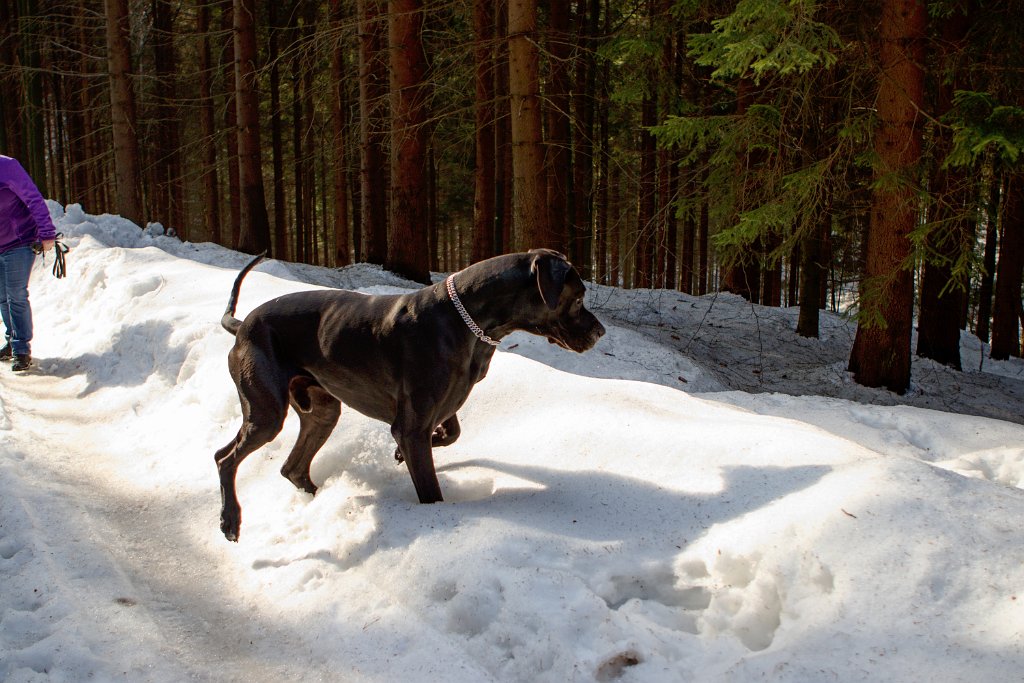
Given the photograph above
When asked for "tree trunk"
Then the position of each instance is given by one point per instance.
(703, 228)
(686, 252)
(529, 188)
(231, 128)
(10, 130)
(812, 272)
(340, 143)
(557, 165)
(647, 206)
(408, 253)
(606, 267)
(484, 177)
(300, 219)
(988, 274)
(373, 86)
(502, 133)
(122, 113)
(582, 250)
(942, 298)
(881, 350)
(280, 232)
(210, 193)
(254, 232)
(309, 64)
(169, 191)
(33, 107)
(1006, 310)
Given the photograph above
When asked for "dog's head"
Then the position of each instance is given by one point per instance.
(563, 319)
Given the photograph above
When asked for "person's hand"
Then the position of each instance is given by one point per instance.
(47, 245)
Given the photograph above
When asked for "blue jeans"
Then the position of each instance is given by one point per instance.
(15, 269)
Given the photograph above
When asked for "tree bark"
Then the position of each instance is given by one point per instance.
(210, 193)
(373, 177)
(557, 166)
(10, 130)
(812, 271)
(646, 236)
(881, 349)
(254, 231)
(300, 221)
(942, 298)
(127, 169)
(340, 143)
(280, 231)
(408, 253)
(33, 107)
(988, 274)
(1006, 309)
(484, 177)
(582, 249)
(502, 133)
(231, 128)
(169, 190)
(529, 184)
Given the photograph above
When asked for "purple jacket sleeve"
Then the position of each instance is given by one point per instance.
(19, 182)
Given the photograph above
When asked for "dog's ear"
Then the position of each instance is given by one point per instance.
(550, 269)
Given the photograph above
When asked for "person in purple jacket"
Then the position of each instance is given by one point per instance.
(25, 225)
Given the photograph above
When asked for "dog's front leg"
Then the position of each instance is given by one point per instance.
(414, 447)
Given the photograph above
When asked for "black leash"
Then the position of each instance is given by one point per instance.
(60, 267)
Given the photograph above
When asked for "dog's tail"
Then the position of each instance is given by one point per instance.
(229, 321)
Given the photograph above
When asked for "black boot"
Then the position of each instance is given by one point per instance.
(6, 353)
(22, 362)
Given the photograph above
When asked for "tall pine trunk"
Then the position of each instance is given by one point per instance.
(988, 274)
(484, 175)
(582, 218)
(529, 184)
(339, 107)
(812, 272)
(230, 238)
(373, 90)
(207, 128)
(33, 108)
(127, 168)
(1006, 309)
(942, 298)
(254, 231)
(408, 253)
(557, 164)
(646, 220)
(280, 230)
(881, 349)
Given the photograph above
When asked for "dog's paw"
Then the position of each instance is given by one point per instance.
(230, 529)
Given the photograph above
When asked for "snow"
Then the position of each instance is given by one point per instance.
(704, 496)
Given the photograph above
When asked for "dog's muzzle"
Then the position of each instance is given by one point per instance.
(581, 342)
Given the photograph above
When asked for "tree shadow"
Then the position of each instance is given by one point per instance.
(136, 353)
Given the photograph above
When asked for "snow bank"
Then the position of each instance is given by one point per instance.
(600, 523)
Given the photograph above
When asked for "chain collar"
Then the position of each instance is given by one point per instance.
(449, 283)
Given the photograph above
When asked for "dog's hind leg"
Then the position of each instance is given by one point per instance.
(318, 414)
(447, 432)
(264, 405)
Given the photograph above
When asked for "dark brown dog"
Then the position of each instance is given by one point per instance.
(408, 360)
